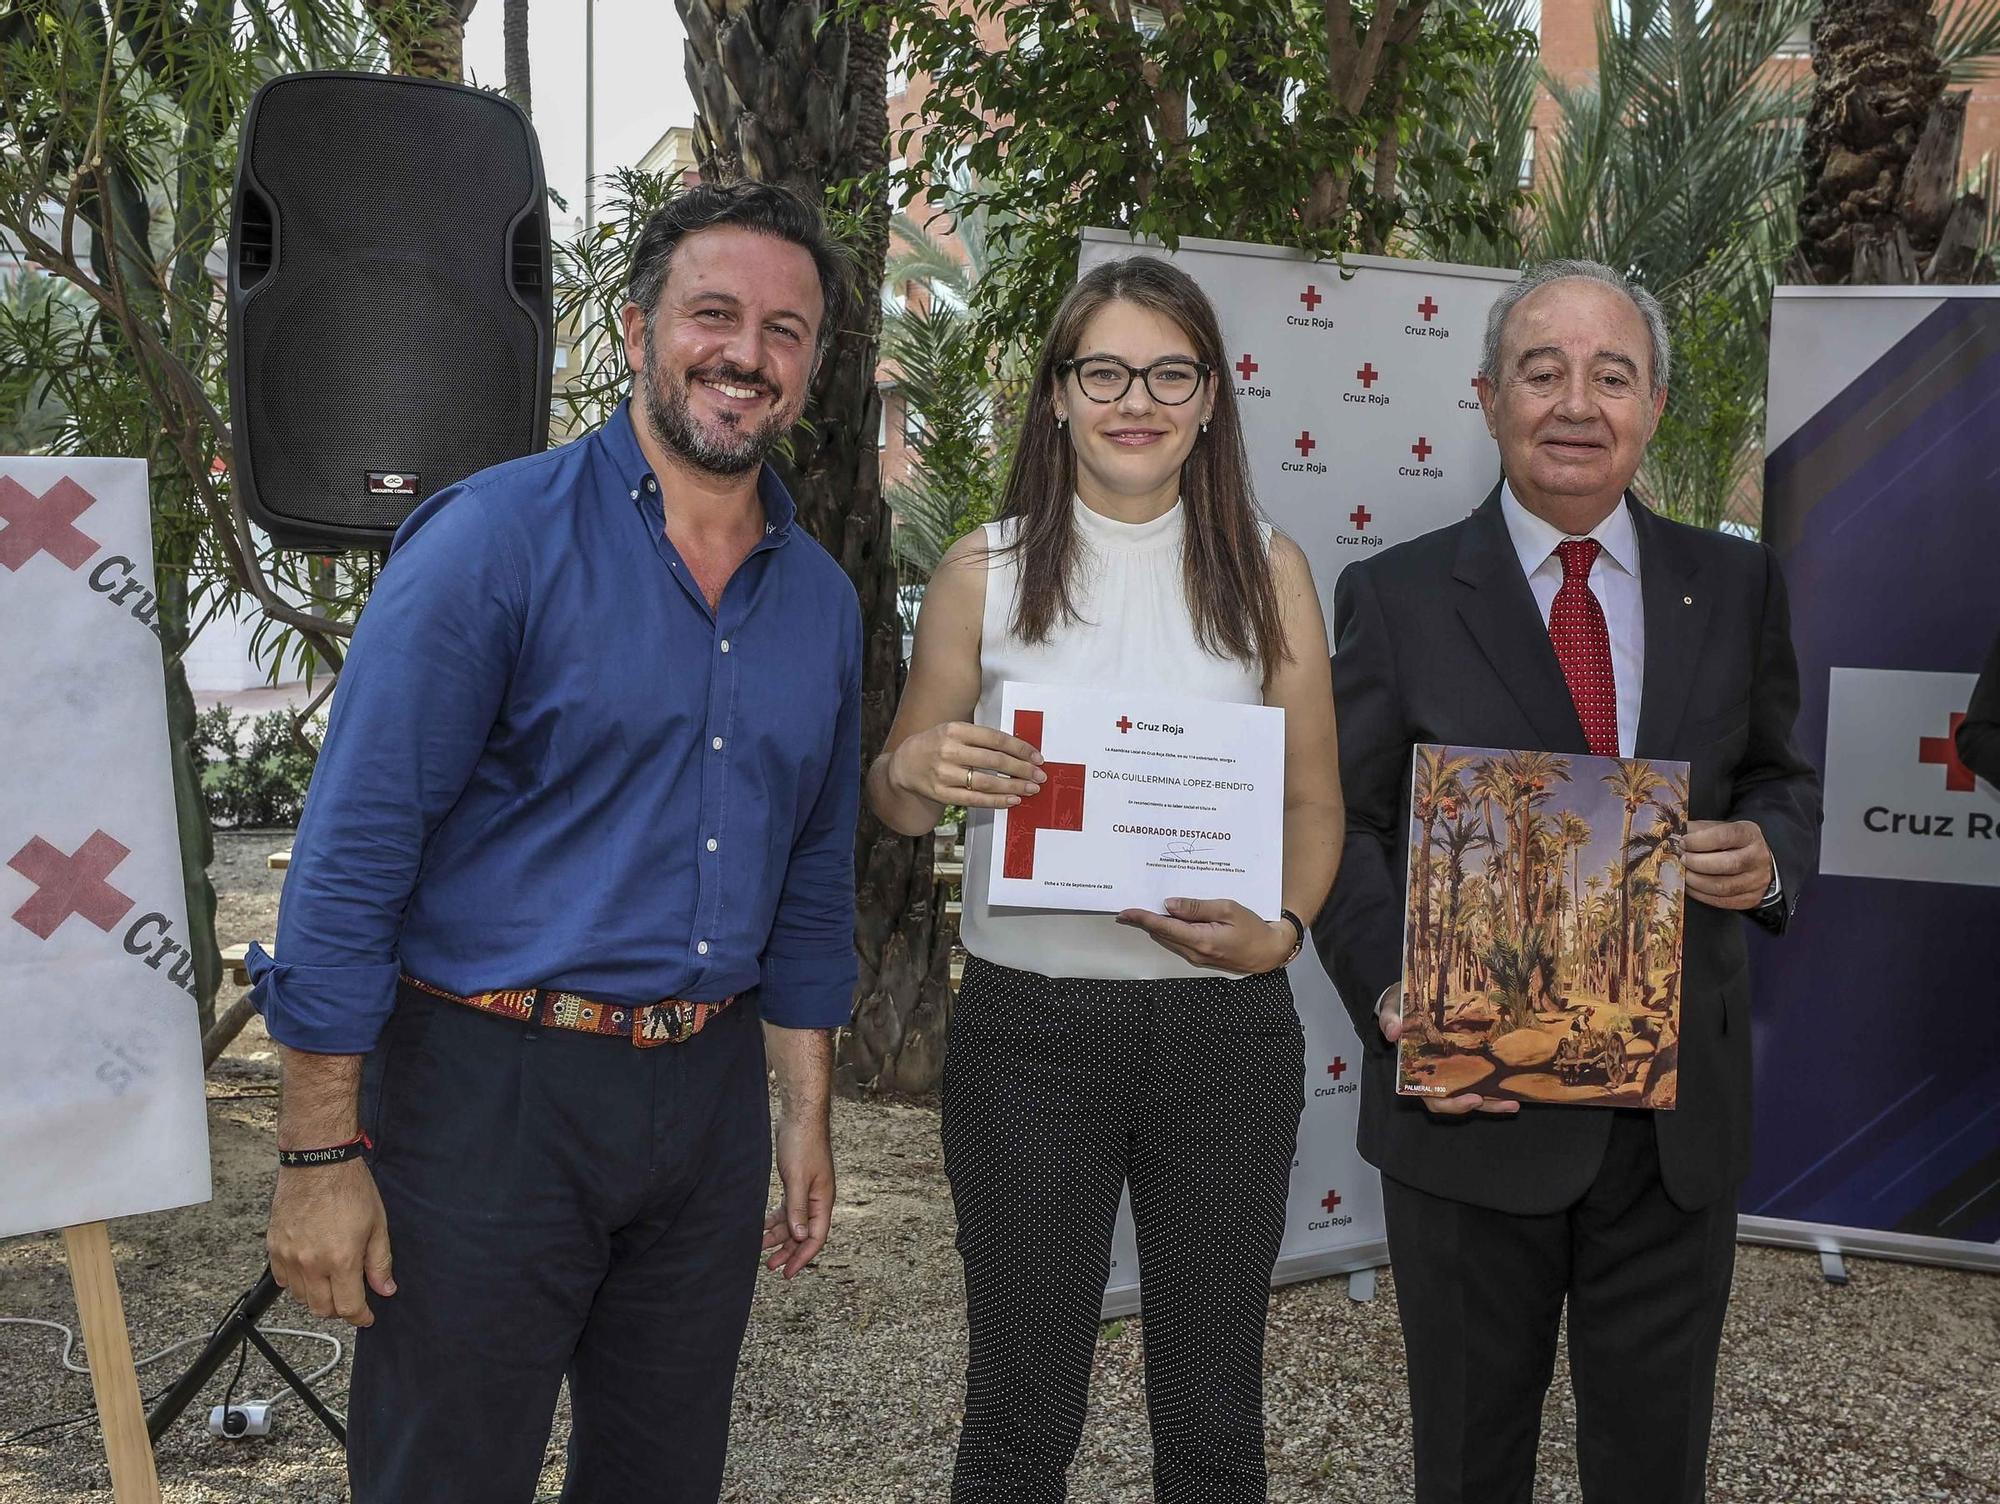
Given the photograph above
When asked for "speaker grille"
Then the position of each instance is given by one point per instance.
(388, 333)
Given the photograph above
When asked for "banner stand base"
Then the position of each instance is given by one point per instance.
(1868, 1243)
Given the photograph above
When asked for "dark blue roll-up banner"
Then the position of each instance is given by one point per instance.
(1877, 1018)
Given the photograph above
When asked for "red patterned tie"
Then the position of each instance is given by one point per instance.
(1583, 647)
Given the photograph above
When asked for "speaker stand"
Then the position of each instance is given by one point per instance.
(240, 1325)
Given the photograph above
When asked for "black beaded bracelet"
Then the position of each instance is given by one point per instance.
(354, 1148)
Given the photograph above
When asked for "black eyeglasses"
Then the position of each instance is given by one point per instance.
(1105, 378)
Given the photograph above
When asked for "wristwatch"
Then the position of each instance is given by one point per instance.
(1298, 937)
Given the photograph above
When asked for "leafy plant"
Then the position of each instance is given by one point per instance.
(255, 772)
(960, 396)
(1258, 120)
(1522, 970)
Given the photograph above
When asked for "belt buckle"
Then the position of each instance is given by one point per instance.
(661, 1023)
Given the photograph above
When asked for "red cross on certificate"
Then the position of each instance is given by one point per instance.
(67, 885)
(45, 523)
(1059, 806)
(1944, 749)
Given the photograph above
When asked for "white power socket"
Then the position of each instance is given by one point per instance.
(251, 1418)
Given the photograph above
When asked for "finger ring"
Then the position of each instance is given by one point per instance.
(968, 778)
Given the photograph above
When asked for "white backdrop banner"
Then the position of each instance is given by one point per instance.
(101, 1102)
(1363, 427)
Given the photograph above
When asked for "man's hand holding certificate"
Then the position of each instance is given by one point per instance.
(1147, 797)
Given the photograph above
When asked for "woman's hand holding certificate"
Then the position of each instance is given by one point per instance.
(973, 766)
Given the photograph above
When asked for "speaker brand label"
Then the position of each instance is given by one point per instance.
(391, 483)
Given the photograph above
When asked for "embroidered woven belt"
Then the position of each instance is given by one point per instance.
(672, 1021)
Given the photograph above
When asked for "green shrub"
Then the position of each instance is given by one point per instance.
(254, 772)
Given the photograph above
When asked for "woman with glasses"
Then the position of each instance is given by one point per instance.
(1090, 1050)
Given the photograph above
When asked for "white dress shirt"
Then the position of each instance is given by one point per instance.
(1614, 580)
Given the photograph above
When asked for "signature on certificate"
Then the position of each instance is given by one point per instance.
(1183, 851)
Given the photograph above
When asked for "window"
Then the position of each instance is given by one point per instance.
(1527, 157)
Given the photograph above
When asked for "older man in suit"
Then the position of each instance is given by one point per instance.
(1565, 616)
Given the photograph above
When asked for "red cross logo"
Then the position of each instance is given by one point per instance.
(45, 523)
(1337, 1069)
(1304, 443)
(1246, 368)
(67, 885)
(1059, 806)
(1422, 448)
(1311, 297)
(1944, 750)
(1330, 1200)
(1427, 307)
(1360, 517)
(1124, 723)
(1368, 375)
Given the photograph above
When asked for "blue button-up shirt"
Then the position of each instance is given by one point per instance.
(551, 764)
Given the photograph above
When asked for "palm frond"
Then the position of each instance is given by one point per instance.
(1968, 41)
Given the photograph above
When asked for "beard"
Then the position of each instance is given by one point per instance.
(727, 447)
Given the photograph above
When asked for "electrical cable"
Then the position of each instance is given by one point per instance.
(69, 1363)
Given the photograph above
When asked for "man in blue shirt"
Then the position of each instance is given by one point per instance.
(584, 820)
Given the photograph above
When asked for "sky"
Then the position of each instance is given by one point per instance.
(641, 80)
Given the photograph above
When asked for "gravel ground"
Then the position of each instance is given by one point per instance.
(1886, 1391)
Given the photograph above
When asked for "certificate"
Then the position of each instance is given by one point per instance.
(1149, 797)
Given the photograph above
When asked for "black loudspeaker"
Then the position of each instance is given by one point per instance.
(390, 327)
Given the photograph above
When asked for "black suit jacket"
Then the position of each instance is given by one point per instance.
(1979, 732)
(1439, 640)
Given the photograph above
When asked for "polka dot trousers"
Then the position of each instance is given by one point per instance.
(1056, 1092)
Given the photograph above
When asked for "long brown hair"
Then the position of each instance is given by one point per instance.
(1225, 572)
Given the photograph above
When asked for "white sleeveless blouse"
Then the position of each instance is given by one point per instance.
(1135, 631)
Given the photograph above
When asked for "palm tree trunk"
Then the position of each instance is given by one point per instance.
(1624, 910)
(426, 38)
(1881, 152)
(786, 94)
(514, 27)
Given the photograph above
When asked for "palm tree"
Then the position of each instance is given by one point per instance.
(1634, 783)
(1492, 787)
(798, 94)
(1460, 836)
(426, 38)
(1435, 795)
(1572, 835)
(1530, 776)
(957, 414)
(1678, 161)
(1882, 143)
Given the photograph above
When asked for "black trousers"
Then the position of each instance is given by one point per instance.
(559, 1204)
(1480, 1294)
(1056, 1092)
